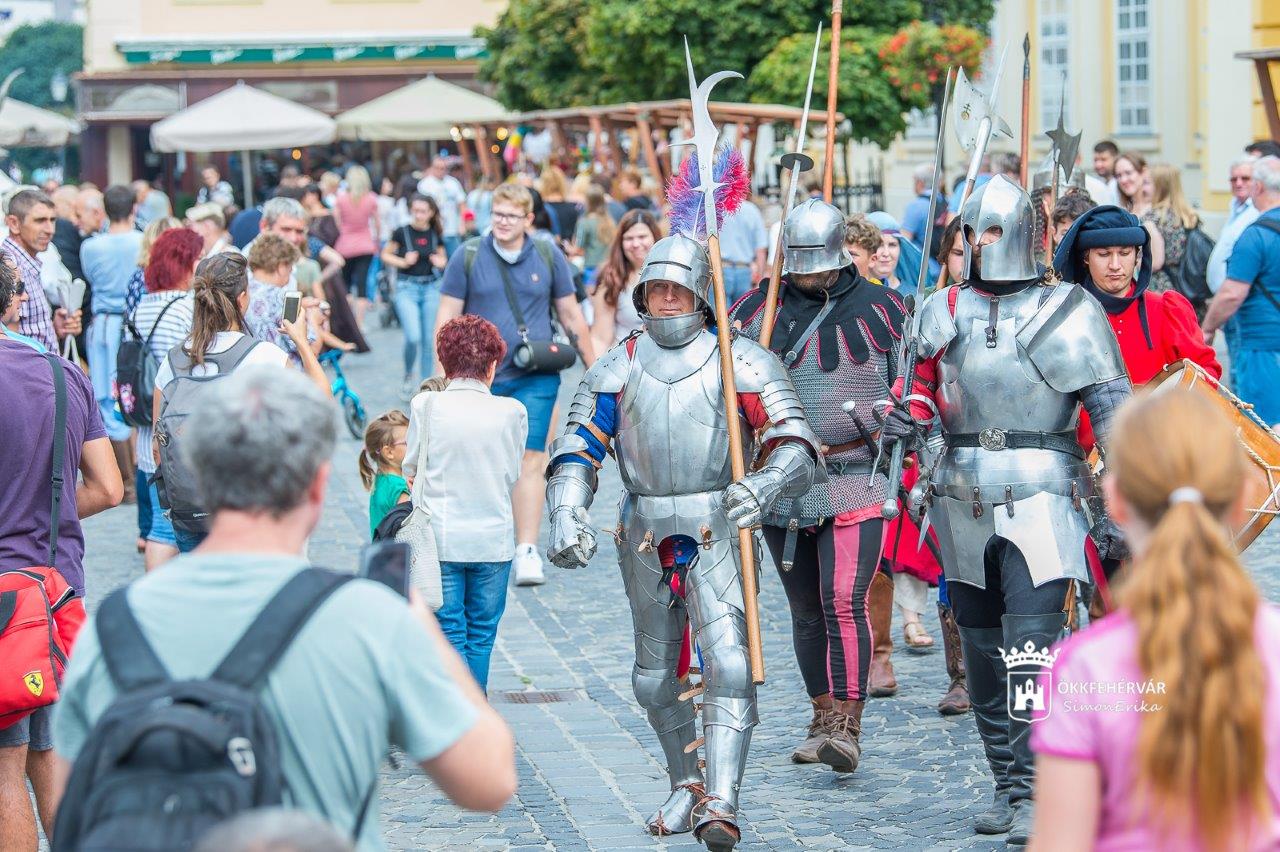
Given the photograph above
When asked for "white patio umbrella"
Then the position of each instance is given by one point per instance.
(25, 126)
(426, 109)
(242, 119)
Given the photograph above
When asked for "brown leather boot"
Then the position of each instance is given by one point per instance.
(956, 701)
(881, 682)
(819, 730)
(123, 451)
(841, 750)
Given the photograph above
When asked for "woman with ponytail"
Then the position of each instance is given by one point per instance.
(220, 290)
(1163, 728)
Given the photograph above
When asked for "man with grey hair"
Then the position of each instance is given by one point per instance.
(449, 196)
(1241, 214)
(367, 671)
(1248, 302)
(915, 218)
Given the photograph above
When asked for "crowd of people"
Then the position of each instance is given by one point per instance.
(175, 363)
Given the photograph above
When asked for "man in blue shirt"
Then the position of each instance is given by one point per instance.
(1250, 299)
(108, 261)
(474, 284)
(742, 251)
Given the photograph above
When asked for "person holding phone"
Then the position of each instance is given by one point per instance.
(464, 451)
(417, 251)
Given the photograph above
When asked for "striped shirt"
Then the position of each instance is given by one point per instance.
(36, 318)
(173, 329)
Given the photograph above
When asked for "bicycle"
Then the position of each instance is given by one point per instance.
(352, 409)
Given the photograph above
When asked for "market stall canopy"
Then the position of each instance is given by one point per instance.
(25, 126)
(242, 118)
(427, 109)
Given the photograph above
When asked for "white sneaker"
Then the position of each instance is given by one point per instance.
(528, 566)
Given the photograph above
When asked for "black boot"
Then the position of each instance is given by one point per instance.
(1041, 631)
(985, 673)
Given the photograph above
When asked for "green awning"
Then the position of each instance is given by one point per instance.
(280, 54)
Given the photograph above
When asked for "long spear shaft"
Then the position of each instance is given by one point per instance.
(897, 456)
(1024, 150)
(704, 142)
(798, 164)
(833, 75)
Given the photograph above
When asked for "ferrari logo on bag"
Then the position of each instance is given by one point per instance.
(34, 682)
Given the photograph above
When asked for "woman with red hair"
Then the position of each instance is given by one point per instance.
(163, 318)
(463, 456)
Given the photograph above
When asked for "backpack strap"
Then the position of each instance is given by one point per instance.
(269, 636)
(59, 450)
(131, 661)
(155, 325)
(1274, 227)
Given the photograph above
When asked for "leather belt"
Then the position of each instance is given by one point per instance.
(1001, 439)
(736, 264)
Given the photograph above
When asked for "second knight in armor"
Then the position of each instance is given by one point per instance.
(838, 334)
(655, 403)
(1010, 358)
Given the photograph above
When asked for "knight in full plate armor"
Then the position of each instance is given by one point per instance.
(1009, 357)
(655, 402)
(839, 335)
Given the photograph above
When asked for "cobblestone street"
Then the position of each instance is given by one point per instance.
(590, 768)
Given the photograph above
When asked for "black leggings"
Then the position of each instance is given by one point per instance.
(1009, 590)
(827, 592)
(356, 274)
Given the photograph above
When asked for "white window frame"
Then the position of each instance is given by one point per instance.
(1134, 94)
(1054, 30)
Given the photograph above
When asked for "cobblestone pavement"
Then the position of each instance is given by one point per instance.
(589, 765)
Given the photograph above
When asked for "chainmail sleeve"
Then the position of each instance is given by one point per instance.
(1102, 401)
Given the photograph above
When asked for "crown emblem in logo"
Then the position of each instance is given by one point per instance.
(1028, 656)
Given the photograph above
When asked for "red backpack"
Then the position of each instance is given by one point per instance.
(40, 614)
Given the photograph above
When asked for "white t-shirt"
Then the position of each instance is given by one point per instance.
(262, 354)
(448, 194)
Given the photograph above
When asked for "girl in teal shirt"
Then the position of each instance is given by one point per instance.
(384, 449)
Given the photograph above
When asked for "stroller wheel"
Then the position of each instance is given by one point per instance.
(353, 415)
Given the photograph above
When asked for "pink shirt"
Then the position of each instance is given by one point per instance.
(355, 224)
(1093, 720)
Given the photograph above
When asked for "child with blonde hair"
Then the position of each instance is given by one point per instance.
(384, 449)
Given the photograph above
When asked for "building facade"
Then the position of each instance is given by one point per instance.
(1158, 78)
(146, 59)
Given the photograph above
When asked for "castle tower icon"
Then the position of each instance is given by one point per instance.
(1028, 695)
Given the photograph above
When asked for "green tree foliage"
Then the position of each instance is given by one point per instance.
(556, 53)
(873, 105)
(42, 49)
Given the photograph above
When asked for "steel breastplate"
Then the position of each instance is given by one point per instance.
(671, 436)
(997, 387)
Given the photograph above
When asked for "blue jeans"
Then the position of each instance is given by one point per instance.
(417, 299)
(160, 529)
(103, 342)
(1257, 376)
(451, 244)
(475, 596)
(537, 393)
(737, 281)
(188, 541)
(144, 503)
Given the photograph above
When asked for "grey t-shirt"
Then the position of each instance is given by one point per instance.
(361, 675)
(535, 286)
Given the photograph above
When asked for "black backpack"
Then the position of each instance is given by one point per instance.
(170, 759)
(136, 369)
(1190, 275)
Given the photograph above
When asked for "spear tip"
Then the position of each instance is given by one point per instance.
(1026, 45)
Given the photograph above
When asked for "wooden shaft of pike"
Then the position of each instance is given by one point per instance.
(746, 542)
(833, 74)
(1024, 149)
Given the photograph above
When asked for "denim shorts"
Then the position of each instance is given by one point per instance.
(537, 393)
(161, 531)
(35, 732)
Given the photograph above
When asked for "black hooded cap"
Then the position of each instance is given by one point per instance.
(1108, 225)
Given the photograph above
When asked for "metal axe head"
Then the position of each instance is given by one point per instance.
(970, 108)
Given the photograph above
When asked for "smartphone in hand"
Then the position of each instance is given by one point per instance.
(387, 562)
(292, 304)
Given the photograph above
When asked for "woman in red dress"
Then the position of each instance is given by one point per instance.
(1107, 252)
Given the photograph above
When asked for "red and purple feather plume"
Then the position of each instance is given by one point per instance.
(687, 213)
